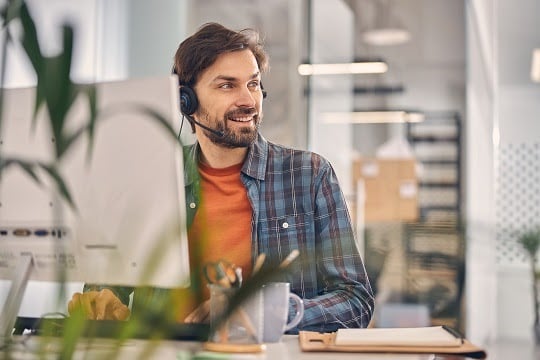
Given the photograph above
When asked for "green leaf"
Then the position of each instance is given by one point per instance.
(31, 167)
(10, 12)
(30, 40)
(27, 167)
(61, 185)
(159, 118)
(91, 94)
(530, 241)
(30, 43)
(60, 93)
(89, 127)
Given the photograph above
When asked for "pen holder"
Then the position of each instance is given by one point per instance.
(243, 326)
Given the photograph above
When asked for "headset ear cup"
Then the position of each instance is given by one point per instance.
(264, 93)
(188, 100)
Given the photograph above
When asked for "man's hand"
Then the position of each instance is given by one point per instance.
(99, 305)
(200, 315)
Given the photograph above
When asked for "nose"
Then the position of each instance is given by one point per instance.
(246, 97)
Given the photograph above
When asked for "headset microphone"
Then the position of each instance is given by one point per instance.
(189, 104)
(213, 131)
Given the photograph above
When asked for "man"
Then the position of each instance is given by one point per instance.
(250, 196)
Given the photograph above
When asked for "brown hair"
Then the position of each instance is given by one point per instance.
(199, 51)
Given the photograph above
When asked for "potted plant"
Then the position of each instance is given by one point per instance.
(530, 242)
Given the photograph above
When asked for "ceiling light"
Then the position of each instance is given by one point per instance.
(367, 67)
(386, 36)
(373, 117)
(535, 67)
(387, 29)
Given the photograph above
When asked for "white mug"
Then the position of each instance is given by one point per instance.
(276, 297)
(262, 318)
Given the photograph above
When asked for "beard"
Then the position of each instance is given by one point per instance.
(233, 138)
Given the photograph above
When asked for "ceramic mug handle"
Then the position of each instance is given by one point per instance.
(299, 312)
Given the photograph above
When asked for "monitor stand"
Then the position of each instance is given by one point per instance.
(14, 298)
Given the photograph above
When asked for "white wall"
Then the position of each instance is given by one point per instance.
(518, 160)
(503, 165)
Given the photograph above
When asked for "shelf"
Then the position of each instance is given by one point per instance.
(431, 139)
(434, 249)
(437, 184)
(439, 162)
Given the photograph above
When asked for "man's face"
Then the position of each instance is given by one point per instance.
(230, 99)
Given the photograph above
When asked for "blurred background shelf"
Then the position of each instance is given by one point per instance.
(436, 141)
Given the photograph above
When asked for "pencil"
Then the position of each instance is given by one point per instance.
(289, 259)
(259, 263)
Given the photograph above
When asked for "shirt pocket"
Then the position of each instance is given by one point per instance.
(280, 235)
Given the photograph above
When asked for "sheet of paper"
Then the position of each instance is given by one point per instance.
(420, 336)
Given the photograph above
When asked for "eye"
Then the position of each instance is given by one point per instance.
(254, 84)
(226, 86)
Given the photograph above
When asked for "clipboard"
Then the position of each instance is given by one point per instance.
(311, 341)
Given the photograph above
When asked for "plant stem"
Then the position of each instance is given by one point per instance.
(534, 290)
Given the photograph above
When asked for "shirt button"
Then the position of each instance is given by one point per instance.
(285, 225)
(192, 205)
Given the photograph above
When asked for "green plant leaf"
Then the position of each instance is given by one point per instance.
(27, 167)
(89, 126)
(31, 167)
(30, 44)
(30, 40)
(60, 93)
(152, 113)
(73, 331)
(530, 241)
(60, 184)
(91, 95)
(10, 11)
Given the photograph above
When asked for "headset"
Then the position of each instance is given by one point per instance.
(189, 104)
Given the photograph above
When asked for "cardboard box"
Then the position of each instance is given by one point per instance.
(390, 188)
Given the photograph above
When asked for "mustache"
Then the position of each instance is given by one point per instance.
(242, 112)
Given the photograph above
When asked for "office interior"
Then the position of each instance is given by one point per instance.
(452, 125)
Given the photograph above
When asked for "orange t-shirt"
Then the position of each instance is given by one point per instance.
(221, 229)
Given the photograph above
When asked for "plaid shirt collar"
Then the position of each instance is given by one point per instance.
(254, 165)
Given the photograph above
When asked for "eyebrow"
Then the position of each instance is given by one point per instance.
(232, 78)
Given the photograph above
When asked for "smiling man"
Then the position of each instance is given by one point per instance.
(249, 196)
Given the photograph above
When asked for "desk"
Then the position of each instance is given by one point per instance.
(287, 349)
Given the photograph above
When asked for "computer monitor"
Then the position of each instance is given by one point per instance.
(128, 188)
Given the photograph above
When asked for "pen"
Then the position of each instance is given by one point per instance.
(454, 333)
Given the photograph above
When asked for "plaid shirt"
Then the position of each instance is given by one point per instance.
(297, 204)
